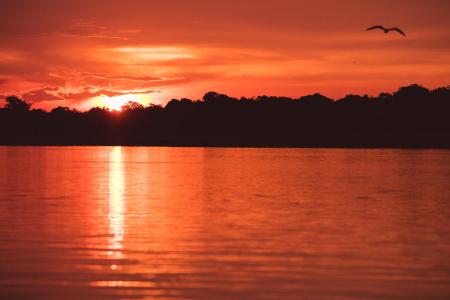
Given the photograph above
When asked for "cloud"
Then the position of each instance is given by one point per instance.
(88, 75)
(51, 29)
(41, 95)
(92, 30)
(89, 93)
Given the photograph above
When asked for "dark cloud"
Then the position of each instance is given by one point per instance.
(75, 28)
(41, 95)
(88, 75)
(87, 93)
(91, 30)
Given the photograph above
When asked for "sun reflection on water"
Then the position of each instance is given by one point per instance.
(116, 204)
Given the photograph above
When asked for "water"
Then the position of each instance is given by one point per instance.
(195, 223)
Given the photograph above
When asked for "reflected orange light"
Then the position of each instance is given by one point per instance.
(116, 203)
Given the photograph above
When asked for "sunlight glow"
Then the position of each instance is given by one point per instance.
(154, 53)
(116, 102)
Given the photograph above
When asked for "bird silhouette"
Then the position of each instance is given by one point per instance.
(386, 30)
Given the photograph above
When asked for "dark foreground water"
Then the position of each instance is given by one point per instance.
(194, 223)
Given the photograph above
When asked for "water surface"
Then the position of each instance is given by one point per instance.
(216, 223)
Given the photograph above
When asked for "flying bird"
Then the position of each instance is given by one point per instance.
(386, 30)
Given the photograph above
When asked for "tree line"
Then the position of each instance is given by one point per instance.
(411, 117)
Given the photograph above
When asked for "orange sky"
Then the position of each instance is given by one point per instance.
(84, 53)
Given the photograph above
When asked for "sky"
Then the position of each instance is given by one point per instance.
(87, 53)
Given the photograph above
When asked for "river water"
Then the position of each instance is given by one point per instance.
(224, 223)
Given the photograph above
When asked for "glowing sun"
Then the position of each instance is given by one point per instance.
(116, 102)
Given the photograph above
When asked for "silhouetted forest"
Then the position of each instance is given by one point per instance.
(411, 117)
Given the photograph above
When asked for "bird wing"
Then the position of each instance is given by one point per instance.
(376, 27)
(398, 30)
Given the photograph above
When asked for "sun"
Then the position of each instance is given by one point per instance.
(116, 102)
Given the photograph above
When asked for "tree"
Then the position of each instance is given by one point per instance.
(60, 110)
(413, 94)
(216, 98)
(132, 105)
(16, 104)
